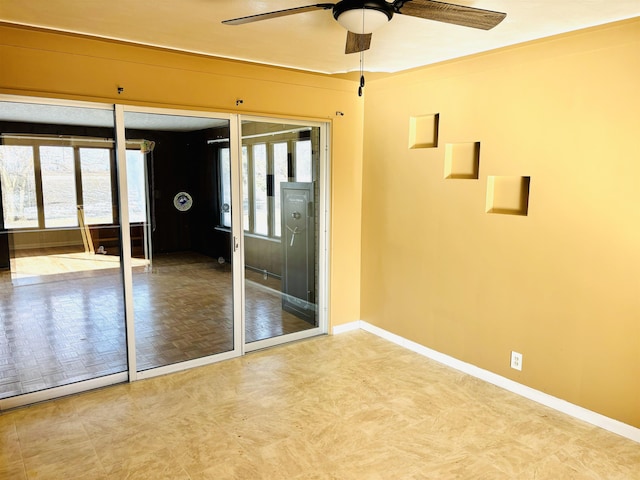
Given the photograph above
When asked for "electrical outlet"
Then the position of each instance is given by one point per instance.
(516, 360)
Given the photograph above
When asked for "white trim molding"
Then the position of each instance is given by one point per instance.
(614, 426)
(347, 327)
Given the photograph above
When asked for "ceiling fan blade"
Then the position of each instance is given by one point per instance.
(278, 13)
(450, 13)
(357, 42)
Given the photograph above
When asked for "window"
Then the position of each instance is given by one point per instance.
(260, 206)
(245, 189)
(57, 173)
(265, 166)
(304, 171)
(136, 186)
(47, 185)
(97, 201)
(225, 188)
(280, 174)
(18, 182)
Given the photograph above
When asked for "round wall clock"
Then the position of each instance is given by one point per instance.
(182, 201)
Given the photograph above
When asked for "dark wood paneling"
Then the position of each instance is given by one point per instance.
(207, 238)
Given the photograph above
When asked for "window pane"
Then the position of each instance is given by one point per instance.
(303, 161)
(18, 187)
(61, 308)
(95, 166)
(280, 174)
(260, 205)
(136, 187)
(225, 187)
(58, 187)
(245, 189)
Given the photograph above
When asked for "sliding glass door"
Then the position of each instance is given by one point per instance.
(61, 304)
(282, 184)
(183, 299)
(136, 241)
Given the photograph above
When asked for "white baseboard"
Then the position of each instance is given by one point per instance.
(614, 426)
(347, 327)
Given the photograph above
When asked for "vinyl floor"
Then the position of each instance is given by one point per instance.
(349, 407)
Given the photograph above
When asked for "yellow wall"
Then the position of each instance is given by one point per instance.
(560, 285)
(52, 65)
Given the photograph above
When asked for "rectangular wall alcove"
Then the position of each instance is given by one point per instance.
(423, 131)
(508, 195)
(462, 160)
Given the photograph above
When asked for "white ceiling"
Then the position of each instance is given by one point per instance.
(310, 41)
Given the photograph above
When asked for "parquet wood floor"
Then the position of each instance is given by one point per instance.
(67, 323)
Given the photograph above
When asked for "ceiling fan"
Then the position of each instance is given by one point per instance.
(362, 17)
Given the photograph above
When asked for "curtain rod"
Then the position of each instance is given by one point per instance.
(267, 134)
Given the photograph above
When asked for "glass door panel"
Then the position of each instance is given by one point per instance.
(178, 184)
(61, 303)
(280, 178)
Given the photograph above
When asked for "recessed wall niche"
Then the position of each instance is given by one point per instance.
(423, 131)
(462, 160)
(508, 195)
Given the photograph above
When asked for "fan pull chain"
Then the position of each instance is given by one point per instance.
(361, 62)
(361, 86)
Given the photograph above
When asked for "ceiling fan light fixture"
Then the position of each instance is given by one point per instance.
(362, 16)
(352, 20)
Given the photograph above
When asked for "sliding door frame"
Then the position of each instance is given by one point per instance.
(237, 236)
(324, 177)
(92, 383)
(135, 374)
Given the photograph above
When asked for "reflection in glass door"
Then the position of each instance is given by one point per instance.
(61, 301)
(281, 215)
(180, 237)
(87, 302)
